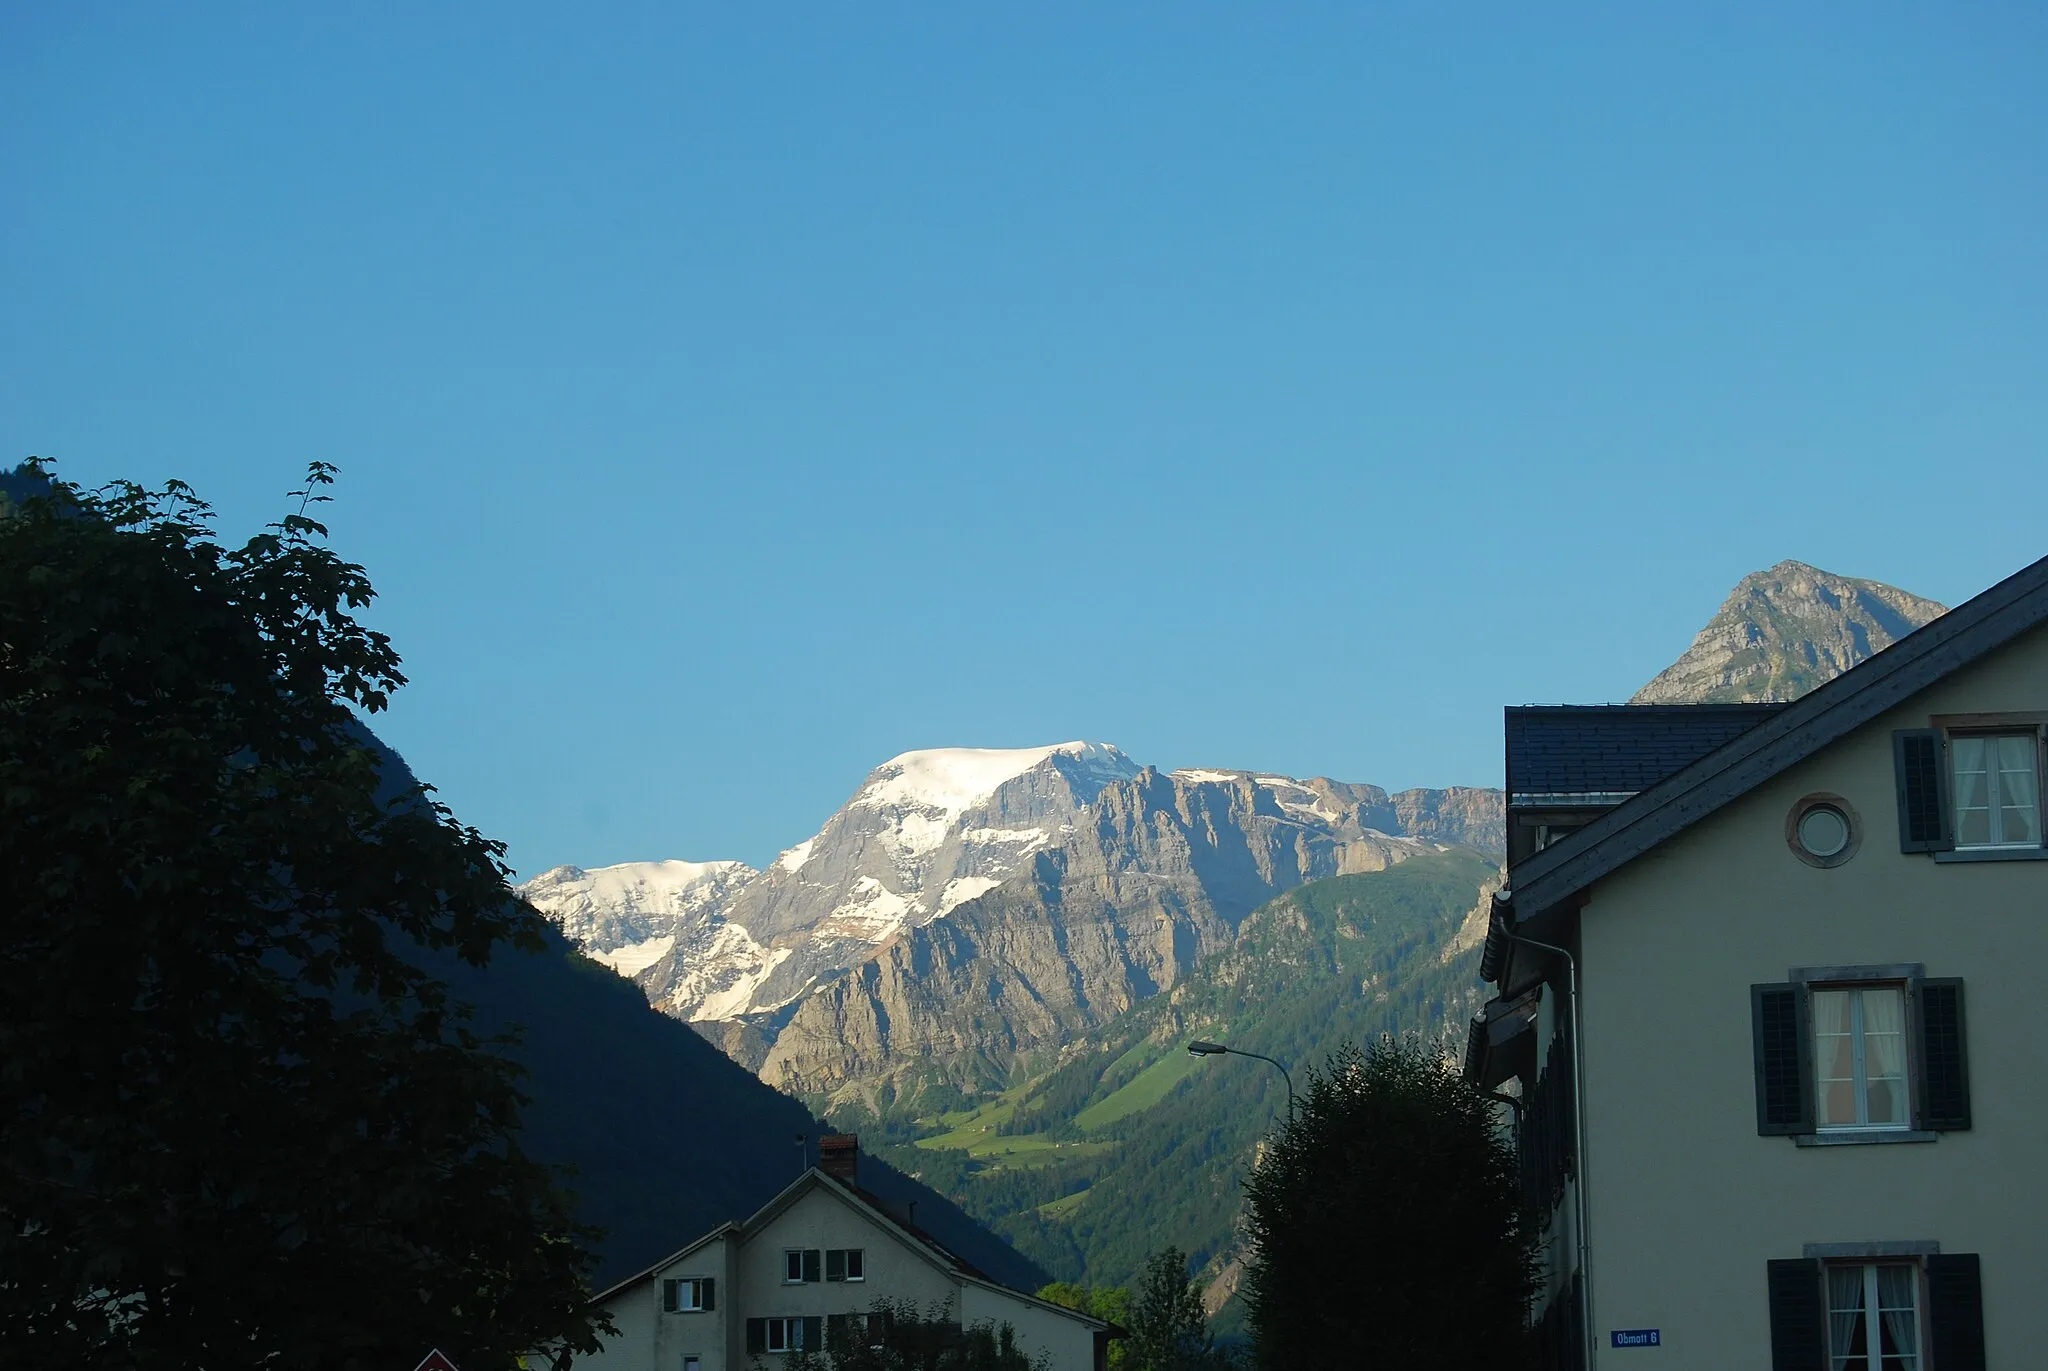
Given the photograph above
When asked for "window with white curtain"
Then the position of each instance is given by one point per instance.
(1859, 1057)
(1874, 1317)
(1997, 789)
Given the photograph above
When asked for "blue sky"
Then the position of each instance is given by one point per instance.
(728, 398)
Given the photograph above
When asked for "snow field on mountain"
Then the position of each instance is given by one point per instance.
(953, 780)
(634, 958)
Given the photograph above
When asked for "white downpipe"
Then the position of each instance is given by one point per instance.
(1571, 973)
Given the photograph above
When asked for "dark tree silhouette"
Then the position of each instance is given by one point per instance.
(238, 1127)
(1168, 1329)
(1386, 1223)
(893, 1336)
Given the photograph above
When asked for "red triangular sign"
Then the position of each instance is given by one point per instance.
(434, 1361)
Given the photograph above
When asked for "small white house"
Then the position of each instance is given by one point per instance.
(813, 1261)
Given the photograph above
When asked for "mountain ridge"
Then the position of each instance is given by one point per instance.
(966, 906)
(1784, 630)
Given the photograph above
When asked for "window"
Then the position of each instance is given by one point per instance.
(1823, 830)
(693, 1364)
(1874, 1317)
(689, 1294)
(1859, 1056)
(1997, 789)
(1971, 789)
(845, 1332)
(845, 1264)
(1877, 1306)
(785, 1334)
(801, 1265)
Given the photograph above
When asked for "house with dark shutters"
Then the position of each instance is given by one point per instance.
(1767, 988)
(804, 1273)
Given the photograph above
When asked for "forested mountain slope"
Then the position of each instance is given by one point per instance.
(1128, 1144)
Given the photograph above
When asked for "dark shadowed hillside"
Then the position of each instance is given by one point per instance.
(669, 1137)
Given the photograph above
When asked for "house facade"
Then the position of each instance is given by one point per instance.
(805, 1271)
(1764, 1006)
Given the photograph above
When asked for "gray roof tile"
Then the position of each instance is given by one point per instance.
(1615, 749)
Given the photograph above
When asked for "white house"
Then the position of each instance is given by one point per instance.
(1731, 959)
(810, 1263)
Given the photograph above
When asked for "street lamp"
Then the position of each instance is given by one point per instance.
(1205, 1049)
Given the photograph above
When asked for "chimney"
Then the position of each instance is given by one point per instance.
(839, 1156)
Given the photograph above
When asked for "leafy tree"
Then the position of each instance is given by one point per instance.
(897, 1338)
(1168, 1329)
(1386, 1223)
(238, 1126)
(1110, 1303)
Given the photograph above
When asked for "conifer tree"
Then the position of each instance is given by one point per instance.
(1169, 1331)
(1386, 1223)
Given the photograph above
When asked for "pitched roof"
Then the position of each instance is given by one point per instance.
(1613, 751)
(1782, 739)
(910, 1235)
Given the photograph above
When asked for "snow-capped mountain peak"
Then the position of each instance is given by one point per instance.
(629, 916)
(953, 780)
(925, 833)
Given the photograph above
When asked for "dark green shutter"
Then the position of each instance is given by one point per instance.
(813, 1334)
(1783, 1060)
(1944, 1062)
(669, 1302)
(811, 1255)
(757, 1336)
(1798, 1322)
(710, 1293)
(1920, 770)
(835, 1333)
(835, 1263)
(1955, 1312)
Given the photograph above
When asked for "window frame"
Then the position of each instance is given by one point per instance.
(1859, 1079)
(1872, 1311)
(1990, 733)
(803, 1261)
(1907, 977)
(1945, 729)
(848, 1259)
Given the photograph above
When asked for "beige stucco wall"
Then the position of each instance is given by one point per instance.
(1069, 1345)
(1688, 1201)
(821, 1219)
(647, 1339)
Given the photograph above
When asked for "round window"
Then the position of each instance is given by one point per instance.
(1823, 831)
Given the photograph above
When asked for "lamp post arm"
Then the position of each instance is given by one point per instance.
(1284, 1074)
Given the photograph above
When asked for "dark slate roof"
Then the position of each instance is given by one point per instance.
(1615, 750)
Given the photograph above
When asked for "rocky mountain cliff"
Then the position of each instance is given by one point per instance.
(968, 907)
(1158, 876)
(1782, 632)
(925, 832)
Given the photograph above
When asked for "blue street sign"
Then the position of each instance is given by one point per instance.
(1637, 1337)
